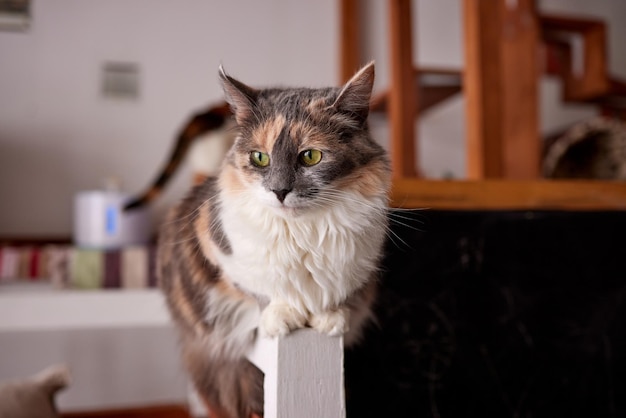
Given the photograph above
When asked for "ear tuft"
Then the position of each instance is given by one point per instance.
(242, 98)
(354, 97)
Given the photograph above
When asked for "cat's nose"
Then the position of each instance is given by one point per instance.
(281, 194)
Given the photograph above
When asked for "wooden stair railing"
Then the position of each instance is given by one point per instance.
(499, 194)
(581, 61)
(502, 43)
(402, 100)
(575, 51)
(501, 77)
(489, 119)
(501, 89)
(432, 86)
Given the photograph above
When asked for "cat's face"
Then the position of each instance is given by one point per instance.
(298, 149)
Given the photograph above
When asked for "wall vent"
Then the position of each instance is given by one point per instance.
(120, 80)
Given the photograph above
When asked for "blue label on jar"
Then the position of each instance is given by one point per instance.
(111, 220)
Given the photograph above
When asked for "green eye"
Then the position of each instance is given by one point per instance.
(260, 159)
(311, 157)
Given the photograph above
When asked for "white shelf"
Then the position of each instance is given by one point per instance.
(120, 345)
(40, 310)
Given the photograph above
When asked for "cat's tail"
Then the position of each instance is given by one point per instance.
(199, 124)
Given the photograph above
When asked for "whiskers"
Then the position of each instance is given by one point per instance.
(404, 218)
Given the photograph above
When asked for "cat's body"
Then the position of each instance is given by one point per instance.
(290, 234)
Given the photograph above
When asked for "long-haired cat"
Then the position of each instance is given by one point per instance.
(289, 235)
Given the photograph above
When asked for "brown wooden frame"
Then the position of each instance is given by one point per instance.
(593, 79)
(349, 29)
(501, 89)
(509, 195)
(501, 75)
(402, 97)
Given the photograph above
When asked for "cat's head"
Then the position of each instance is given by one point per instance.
(302, 148)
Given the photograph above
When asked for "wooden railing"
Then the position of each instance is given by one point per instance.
(509, 195)
(502, 44)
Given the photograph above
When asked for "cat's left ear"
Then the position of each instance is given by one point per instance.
(240, 97)
(354, 97)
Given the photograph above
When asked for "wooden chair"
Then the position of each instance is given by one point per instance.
(504, 41)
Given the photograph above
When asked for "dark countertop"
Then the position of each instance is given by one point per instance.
(503, 314)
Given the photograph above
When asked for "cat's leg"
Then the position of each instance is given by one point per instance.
(229, 384)
(279, 318)
(332, 322)
(350, 318)
(361, 306)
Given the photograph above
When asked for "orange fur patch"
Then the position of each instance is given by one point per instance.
(152, 193)
(266, 134)
(369, 180)
(202, 227)
(184, 308)
(308, 136)
(228, 291)
(230, 181)
(316, 105)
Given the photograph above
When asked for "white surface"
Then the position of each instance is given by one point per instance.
(303, 375)
(119, 345)
(68, 310)
(110, 367)
(122, 351)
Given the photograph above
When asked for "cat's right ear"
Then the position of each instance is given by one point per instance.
(242, 98)
(354, 97)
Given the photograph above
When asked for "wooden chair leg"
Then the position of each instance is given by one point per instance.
(402, 96)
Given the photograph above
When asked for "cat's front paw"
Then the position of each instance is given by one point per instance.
(278, 319)
(333, 323)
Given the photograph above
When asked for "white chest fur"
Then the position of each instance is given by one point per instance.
(313, 261)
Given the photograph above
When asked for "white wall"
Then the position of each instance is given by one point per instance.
(59, 136)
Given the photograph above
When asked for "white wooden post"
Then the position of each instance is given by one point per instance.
(303, 375)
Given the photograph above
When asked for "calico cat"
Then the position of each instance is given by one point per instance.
(289, 235)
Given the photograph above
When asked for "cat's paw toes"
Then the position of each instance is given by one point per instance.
(333, 323)
(278, 320)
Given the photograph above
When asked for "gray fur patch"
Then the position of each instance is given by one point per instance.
(217, 231)
(281, 175)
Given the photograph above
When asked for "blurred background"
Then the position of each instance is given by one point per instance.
(61, 131)
(93, 95)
